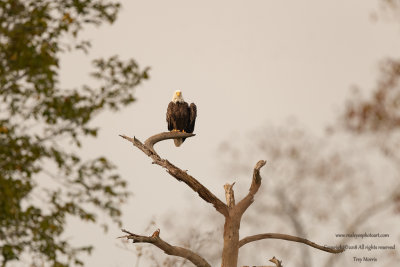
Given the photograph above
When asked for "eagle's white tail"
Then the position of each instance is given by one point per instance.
(178, 141)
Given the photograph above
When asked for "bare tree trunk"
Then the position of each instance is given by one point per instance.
(231, 211)
(230, 251)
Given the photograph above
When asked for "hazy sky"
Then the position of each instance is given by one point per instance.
(245, 64)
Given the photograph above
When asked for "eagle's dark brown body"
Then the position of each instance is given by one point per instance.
(181, 117)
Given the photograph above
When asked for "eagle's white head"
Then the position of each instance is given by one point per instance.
(178, 97)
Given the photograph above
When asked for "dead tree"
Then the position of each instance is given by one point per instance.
(232, 212)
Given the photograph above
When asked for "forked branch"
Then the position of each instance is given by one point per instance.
(167, 248)
(253, 238)
(176, 172)
(232, 214)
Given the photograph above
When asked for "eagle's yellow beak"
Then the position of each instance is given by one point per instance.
(178, 93)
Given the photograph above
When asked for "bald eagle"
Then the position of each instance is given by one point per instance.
(180, 116)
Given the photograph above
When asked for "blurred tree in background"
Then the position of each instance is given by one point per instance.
(41, 181)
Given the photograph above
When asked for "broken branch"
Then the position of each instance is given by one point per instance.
(277, 262)
(229, 195)
(167, 248)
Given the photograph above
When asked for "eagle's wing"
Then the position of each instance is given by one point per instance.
(192, 119)
(169, 116)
